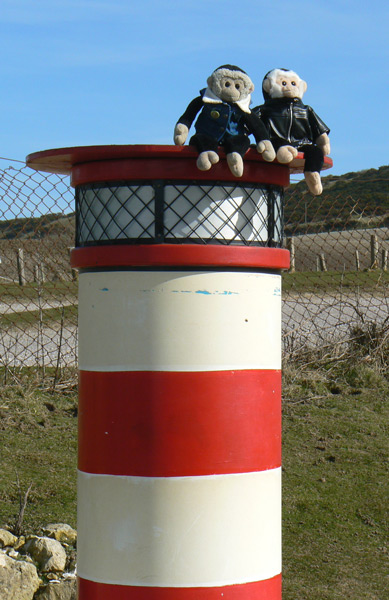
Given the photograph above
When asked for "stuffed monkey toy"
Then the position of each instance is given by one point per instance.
(294, 126)
(225, 119)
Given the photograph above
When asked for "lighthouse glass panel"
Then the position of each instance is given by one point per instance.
(220, 213)
(179, 212)
(115, 212)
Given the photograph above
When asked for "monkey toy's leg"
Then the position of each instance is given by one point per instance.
(235, 147)
(314, 160)
(207, 148)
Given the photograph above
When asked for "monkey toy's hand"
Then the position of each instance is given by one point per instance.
(323, 141)
(266, 149)
(180, 134)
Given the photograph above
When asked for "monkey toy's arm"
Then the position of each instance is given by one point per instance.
(323, 141)
(184, 123)
(264, 146)
(320, 131)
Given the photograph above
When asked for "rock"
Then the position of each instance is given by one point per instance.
(71, 562)
(21, 541)
(61, 532)
(61, 590)
(18, 579)
(47, 553)
(7, 538)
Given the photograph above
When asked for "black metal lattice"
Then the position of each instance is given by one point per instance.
(147, 212)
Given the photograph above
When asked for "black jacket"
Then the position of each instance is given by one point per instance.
(218, 119)
(290, 122)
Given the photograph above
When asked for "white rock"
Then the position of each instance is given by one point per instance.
(18, 580)
(48, 553)
(58, 590)
(61, 532)
(7, 538)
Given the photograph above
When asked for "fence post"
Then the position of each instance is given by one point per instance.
(20, 266)
(42, 273)
(373, 251)
(74, 272)
(290, 246)
(357, 260)
(384, 259)
(39, 273)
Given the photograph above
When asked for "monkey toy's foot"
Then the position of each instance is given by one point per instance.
(286, 154)
(266, 149)
(206, 159)
(313, 182)
(235, 162)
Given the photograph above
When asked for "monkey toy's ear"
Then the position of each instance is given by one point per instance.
(303, 86)
(266, 85)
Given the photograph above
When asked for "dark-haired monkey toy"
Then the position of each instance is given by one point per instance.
(294, 126)
(225, 120)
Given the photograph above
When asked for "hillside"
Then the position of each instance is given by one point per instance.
(355, 200)
(54, 224)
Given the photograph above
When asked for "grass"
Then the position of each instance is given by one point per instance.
(39, 446)
(330, 281)
(336, 486)
(32, 317)
(335, 471)
(51, 290)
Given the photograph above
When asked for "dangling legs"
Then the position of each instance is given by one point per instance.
(314, 160)
(207, 148)
(235, 148)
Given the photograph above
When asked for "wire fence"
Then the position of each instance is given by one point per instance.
(335, 291)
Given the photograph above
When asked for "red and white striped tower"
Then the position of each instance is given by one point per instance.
(179, 484)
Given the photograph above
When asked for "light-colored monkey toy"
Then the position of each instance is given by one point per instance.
(294, 126)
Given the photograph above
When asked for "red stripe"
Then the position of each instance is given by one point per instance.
(270, 589)
(181, 255)
(178, 168)
(164, 424)
(102, 163)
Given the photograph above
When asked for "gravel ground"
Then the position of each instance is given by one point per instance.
(308, 320)
(312, 319)
(15, 307)
(33, 347)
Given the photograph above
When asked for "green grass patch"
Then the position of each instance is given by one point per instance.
(32, 317)
(327, 281)
(38, 447)
(335, 471)
(335, 484)
(53, 290)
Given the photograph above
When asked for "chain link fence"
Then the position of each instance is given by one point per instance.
(336, 289)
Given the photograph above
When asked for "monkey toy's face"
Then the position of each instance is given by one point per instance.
(230, 86)
(289, 86)
(280, 83)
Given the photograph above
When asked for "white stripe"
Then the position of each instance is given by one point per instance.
(169, 321)
(179, 532)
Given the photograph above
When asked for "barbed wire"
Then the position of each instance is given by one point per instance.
(13, 160)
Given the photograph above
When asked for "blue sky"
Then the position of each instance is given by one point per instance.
(89, 72)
